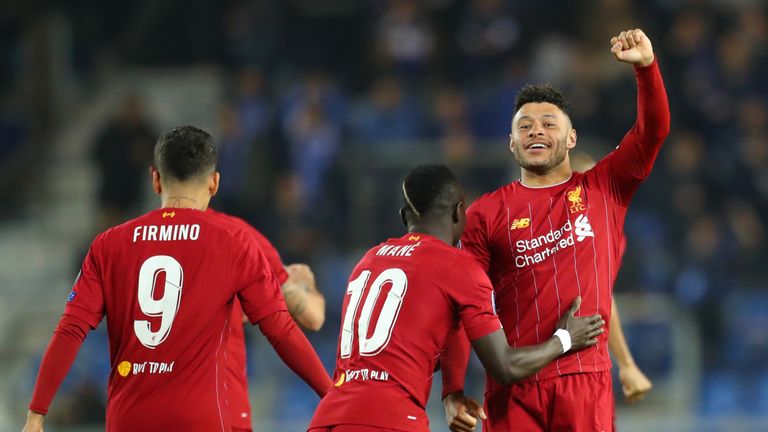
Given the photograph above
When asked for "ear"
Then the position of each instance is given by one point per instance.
(459, 212)
(403, 219)
(156, 185)
(511, 143)
(570, 141)
(213, 183)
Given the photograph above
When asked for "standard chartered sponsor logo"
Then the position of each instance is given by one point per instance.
(539, 248)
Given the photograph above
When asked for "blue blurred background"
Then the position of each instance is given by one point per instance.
(320, 108)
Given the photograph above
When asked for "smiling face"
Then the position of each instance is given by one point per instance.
(541, 137)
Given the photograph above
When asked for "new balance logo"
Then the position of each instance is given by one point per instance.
(582, 228)
(520, 223)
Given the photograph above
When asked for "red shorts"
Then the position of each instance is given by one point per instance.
(352, 428)
(570, 403)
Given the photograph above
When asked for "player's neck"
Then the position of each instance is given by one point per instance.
(441, 233)
(557, 176)
(185, 199)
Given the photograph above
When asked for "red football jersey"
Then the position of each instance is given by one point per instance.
(237, 377)
(403, 299)
(542, 247)
(166, 283)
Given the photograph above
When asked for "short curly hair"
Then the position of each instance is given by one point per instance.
(542, 93)
(185, 152)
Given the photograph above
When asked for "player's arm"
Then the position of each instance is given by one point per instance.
(653, 119)
(461, 412)
(57, 360)
(295, 350)
(633, 159)
(305, 302)
(264, 305)
(507, 365)
(634, 383)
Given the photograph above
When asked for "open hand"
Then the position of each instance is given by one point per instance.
(583, 330)
(632, 46)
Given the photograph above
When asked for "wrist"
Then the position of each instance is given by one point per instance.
(627, 364)
(646, 62)
(35, 417)
(565, 339)
(452, 396)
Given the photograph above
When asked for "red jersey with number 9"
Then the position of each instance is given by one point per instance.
(166, 282)
(403, 299)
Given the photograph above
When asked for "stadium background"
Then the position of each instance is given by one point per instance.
(320, 107)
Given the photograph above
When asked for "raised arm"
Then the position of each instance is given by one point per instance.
(633, 159)
(507, 365)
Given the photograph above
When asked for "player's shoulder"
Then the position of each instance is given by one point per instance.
(226, 218)
(493, 200)
(228, 226)
(594, 177)
(467, 262)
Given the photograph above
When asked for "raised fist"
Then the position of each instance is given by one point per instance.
(632, 46)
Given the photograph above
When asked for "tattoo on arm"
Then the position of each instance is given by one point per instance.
(296, 298)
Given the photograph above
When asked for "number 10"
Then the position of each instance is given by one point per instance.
(386, 322)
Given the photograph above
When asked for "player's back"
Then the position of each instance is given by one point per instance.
(168, 279)
(402, 301)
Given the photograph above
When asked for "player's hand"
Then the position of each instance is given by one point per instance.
(583, 330)
(34, 422)
(632, 46)
(461, 412)
(634, 383)
(302, 272)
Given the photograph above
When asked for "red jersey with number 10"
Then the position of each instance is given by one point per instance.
(166, 282)
(403, 299)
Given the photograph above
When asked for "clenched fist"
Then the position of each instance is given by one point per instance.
(632, 46)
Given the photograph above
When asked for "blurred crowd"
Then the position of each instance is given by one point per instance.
(316, 89)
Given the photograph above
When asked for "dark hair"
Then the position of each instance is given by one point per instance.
(542, 93)
(430, 189)
(185, 152)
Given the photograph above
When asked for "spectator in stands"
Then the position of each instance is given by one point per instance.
(122, 152)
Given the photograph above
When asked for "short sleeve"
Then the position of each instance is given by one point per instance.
(86, 301)
(474, 240)
(256, 284)
(273, 257)
(471, 290)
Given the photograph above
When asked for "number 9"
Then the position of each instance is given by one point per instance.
(166, 307)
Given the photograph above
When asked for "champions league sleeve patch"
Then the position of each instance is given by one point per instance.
(72, 294)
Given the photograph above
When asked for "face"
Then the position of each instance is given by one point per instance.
(541, 137)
